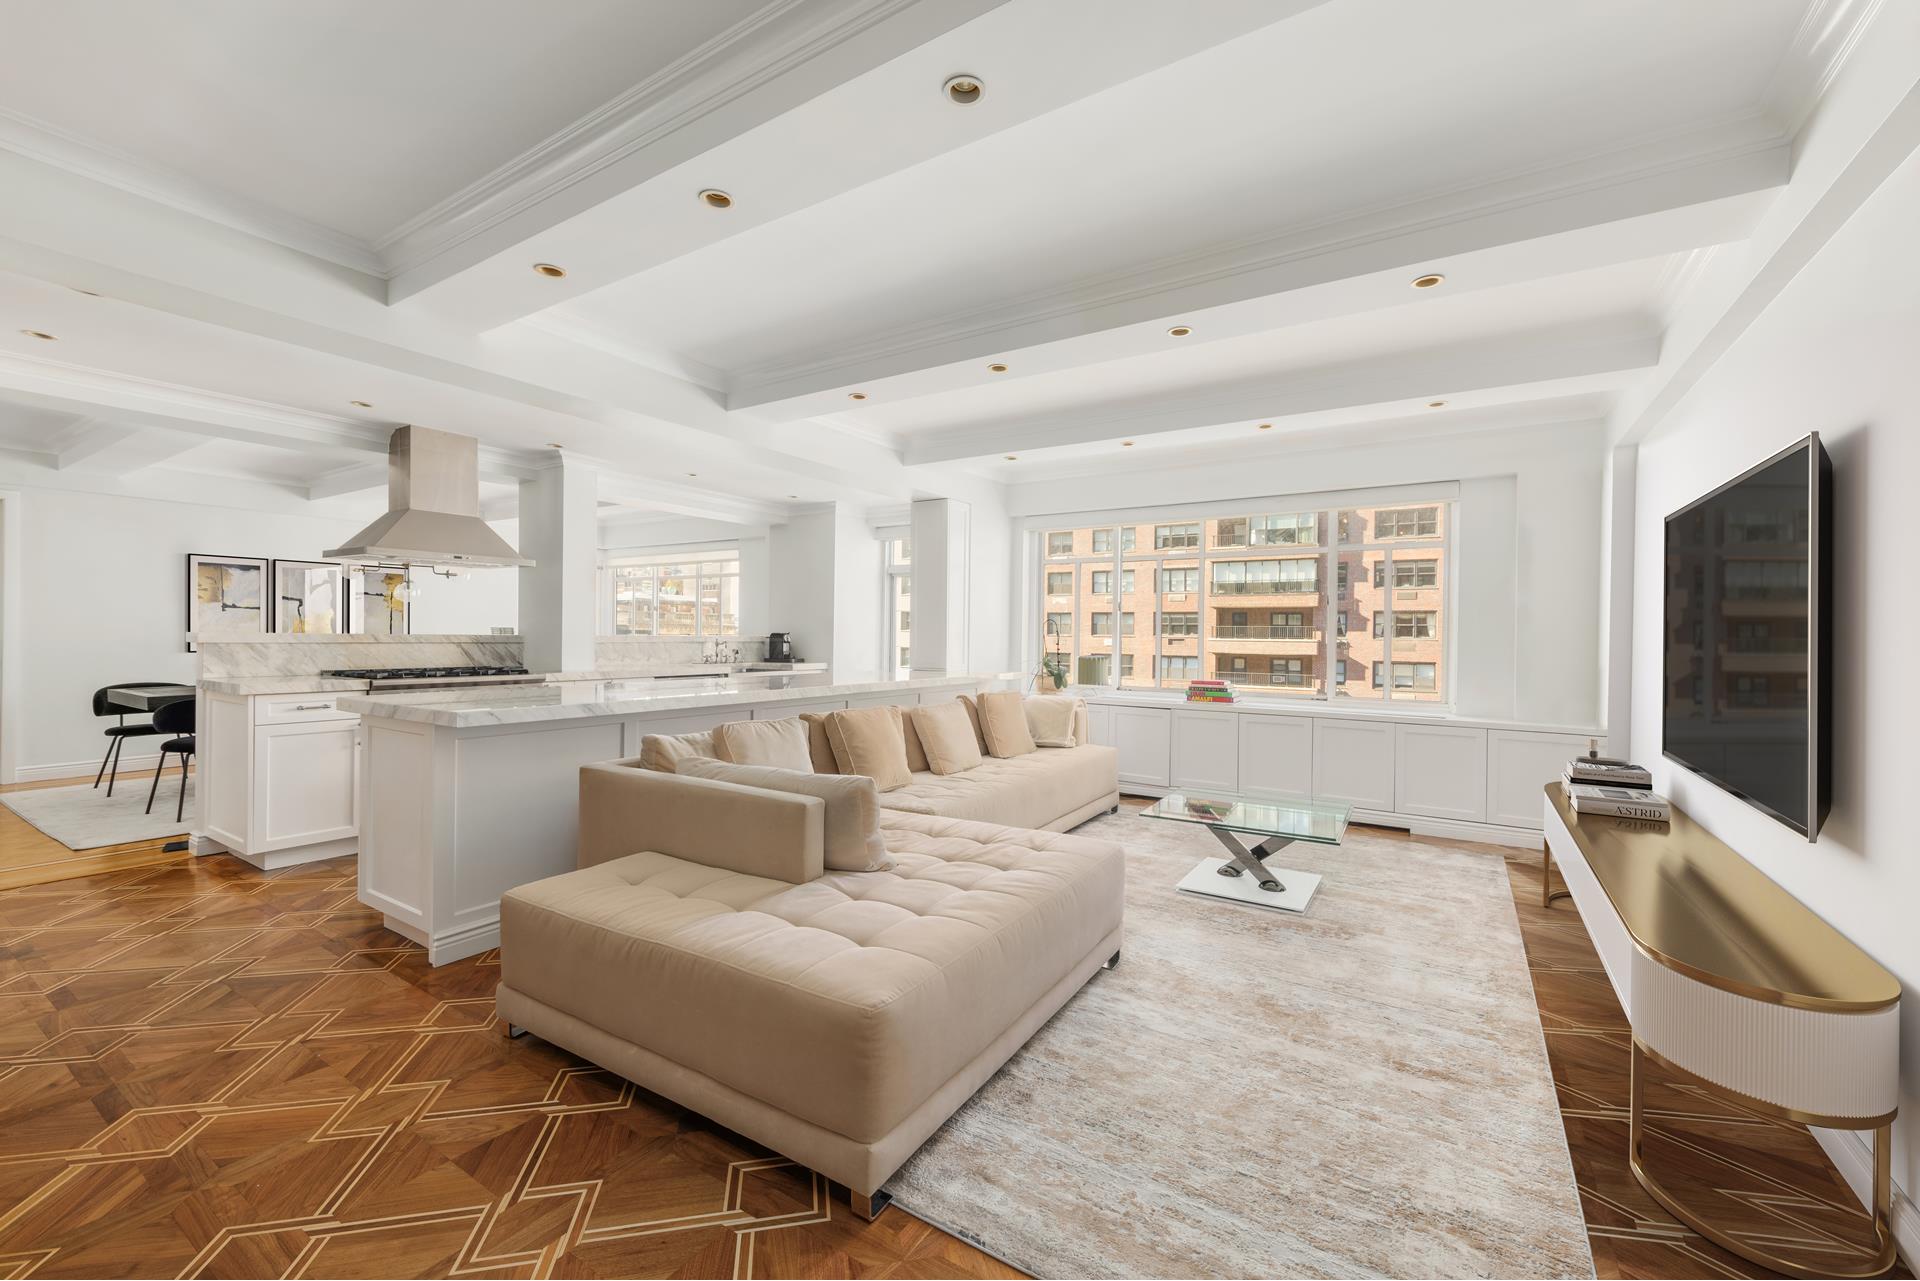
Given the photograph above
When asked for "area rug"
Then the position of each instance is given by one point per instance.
(86, 818)
(1361, 1090)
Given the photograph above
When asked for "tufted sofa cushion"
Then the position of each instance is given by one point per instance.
(845, 1001)
(1024, 791)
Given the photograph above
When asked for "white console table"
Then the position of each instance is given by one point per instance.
(1733, 984)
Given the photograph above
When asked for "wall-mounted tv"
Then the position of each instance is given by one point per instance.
(1746, 636)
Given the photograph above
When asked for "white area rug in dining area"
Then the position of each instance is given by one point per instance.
(84, 817)
(1361, 1090)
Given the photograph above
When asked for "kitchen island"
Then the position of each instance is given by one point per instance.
(468, 793)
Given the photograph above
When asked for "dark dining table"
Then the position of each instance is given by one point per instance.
(151, 698)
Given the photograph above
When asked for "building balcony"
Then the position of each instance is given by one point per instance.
(1303, 684)
(1310, 591)
(1263, 631)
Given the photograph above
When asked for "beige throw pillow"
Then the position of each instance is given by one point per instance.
(868, 740)
(853, 842)
(782, 744)
(916, 752)
(1003, 719)
(664, 751)
(1050, 720)
(946, 731)
(973, 719)
(819, 746)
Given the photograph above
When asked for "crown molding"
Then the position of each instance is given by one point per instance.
(215, 414)
(36, 140)
(761, 48)
(1744, 136)
(1828, 34)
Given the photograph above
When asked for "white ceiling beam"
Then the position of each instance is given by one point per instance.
(357, 479)
(686, 500)
(1556, 363)
(1679, 194)
(120, 449)
(760, 105)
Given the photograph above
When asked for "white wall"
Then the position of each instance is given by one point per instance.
(1527, 546)
(1834, 353)
(102, 599)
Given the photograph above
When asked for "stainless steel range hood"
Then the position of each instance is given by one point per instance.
(433, 507)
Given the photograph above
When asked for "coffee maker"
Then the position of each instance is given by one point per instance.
(780, 647)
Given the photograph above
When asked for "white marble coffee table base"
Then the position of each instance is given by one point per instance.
(1297, 888)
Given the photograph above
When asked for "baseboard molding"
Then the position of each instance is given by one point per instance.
(83, 771)
(1851, 1152)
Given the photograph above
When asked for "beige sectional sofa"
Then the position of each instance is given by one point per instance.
(712, 948)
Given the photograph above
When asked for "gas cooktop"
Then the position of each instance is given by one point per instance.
(386, 676)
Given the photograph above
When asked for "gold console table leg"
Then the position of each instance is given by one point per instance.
(1884, 1251)
(1547, 892)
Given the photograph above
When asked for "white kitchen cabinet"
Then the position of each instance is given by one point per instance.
(780, 711)
(1519, 764)
(303, 782)
(906, 698)
(1143, 737)
(1353, 762)
(1276, 757)
(1206, 751)
(1440, 771)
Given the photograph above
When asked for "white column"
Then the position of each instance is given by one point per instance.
(560, 531)
(942, 579)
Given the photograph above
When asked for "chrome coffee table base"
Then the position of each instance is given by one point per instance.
(1251, 862)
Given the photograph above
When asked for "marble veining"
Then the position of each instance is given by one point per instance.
(670, 651)
(299, 655)
(576, 700)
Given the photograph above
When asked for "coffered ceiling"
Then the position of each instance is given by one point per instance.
(238, 217)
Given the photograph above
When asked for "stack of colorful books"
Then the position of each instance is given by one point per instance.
(1209, 692)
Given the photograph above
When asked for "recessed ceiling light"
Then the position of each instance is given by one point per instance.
(1013, 458)
(554, 444)
(88, 292)
(965, 90)
(42, 336)
(1266, 426)
(996, 369)
(717, 198)
(1435, 404)
(693, 473)
(361, 404)
(1180, 331)
(856, 395)
(1428, 281)
(549, 270)
(1126, 444)
(793, 495)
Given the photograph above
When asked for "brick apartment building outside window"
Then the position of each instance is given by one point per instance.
(1347, 603)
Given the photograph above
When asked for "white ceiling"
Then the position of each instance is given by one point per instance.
(355, 115)
(239, 216)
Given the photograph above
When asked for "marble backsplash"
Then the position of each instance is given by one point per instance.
(304, 655)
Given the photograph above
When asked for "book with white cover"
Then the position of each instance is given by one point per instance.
(1584, 769)
(1620, 802)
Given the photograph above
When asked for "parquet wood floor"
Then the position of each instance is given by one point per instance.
(207, 1071)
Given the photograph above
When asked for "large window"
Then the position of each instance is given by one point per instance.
(1277, 601)
(693, 595)
(899, 601)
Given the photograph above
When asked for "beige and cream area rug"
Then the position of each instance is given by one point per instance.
(1361, 1090)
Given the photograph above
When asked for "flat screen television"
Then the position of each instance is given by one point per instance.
(1746, 636)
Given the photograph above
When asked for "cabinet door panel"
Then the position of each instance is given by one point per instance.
(1519, 764)
(1441, 772)
(1206, 751)
(1276, 757)
(303, 782)
(1353, 763)
(1143, 737)
(1100, 724)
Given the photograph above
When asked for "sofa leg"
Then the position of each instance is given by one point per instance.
(1113, 962)
(869, 1206)
(514, 1030)
(1115, 809)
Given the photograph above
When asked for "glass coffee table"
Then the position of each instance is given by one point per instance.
(1243, 876)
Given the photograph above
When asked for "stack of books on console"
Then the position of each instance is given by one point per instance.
(1620, 789)
(1209, 692)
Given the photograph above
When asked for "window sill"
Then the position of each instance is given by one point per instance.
(1259, 705)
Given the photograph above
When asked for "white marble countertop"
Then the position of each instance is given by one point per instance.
(571, 700)
(641, 671)
(311, 684)
(280, 684)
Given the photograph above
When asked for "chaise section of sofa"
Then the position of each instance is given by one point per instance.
(838, 1017)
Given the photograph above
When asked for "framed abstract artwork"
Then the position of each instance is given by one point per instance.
(381, 600)
(309, 597)
(226, 597)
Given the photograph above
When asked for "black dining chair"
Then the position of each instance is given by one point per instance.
(119, 733)
(174, 718)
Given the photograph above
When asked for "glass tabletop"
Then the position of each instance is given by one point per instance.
(1315, 821)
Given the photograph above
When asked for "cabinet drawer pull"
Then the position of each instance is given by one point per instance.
(313, 707)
